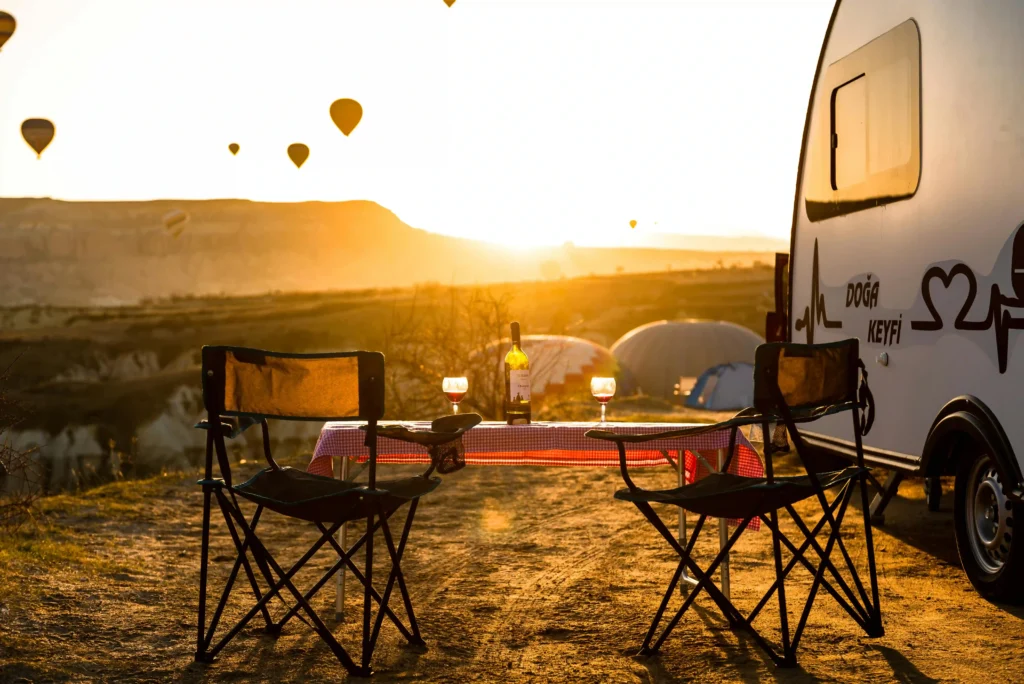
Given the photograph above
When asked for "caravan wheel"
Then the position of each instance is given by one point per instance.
(992, 558)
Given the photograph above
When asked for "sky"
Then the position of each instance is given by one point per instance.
(525, 122)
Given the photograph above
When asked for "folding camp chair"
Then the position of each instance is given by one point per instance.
(793, 383)
(242, 387)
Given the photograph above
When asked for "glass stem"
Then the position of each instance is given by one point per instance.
(455, 407)
(603, 407)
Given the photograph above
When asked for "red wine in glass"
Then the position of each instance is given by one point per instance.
(455, 397)
(455, 389)
(603, 390)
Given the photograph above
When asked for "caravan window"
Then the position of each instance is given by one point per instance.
(865, 144)
(849, 161)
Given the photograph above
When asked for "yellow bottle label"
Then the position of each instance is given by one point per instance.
(519, 385)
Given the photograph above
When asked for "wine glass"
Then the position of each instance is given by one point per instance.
(603, 390)
(455, 389)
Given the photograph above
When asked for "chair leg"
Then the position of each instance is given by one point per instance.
(271, 627)
(679, 574)
(821, 567)
(723, 603)
(798, 557)
(229, 585)
(788, 649)
(645, 647)
(395, 574)
(704, 581)
(241, 547)
(260, 551)
(406, 600)
(876, 616)
(875, 627)
(856, 611)
(201, 643)
(274, 590)
(872, 611)
(368, 586)
(862, 603)
(346, 559)
(877, 630)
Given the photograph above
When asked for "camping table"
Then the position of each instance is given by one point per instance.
(547, 444)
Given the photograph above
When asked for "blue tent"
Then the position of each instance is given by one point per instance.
(725, 387)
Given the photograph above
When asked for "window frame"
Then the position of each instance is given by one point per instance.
(821, 199)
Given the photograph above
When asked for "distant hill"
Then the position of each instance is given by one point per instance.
(98, 253)
(711, 243)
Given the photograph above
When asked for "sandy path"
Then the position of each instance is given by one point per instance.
(531, 574)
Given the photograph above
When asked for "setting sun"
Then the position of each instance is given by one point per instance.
(517, 122)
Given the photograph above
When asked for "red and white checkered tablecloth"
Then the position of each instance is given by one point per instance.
(546, 444)
(541, 443)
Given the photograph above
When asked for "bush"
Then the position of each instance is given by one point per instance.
(20, 471)
(446, 332)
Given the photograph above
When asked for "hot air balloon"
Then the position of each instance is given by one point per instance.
(7, 26)
(449, 2)
(632, 224)
(298, 153)
(346, 114)
(174, 221)
(234, 148)
(37, 133)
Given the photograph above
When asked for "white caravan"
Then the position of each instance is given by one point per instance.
(907, 235)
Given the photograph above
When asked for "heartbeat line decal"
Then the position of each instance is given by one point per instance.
(998, 317)
(815, 313)
(931, 314)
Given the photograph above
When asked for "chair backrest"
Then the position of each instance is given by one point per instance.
(808, 376)
(252, 382)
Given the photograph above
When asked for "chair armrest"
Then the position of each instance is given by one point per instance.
(610, 436)
(230, 426)
(441, 431)
(443, 440)
(744, 417)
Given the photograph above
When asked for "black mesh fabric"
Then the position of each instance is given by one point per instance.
(239, 381)
(724, 495)
(809, 377)
(315, 498)
(448, 457)
(443, 440)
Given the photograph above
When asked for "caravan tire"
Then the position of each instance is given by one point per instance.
(984, 518)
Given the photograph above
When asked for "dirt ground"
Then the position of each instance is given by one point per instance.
(516, 574)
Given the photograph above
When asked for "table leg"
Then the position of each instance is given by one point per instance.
(723, 537)
(687, 581)
(339, 579)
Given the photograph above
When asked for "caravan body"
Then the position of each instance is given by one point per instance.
(907, 235)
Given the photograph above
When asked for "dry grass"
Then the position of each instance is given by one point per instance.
(600, 308)
(517, 574)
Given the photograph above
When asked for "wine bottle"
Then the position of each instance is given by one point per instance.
(517, 382)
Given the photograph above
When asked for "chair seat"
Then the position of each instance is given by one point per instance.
(724, 495)
(316, 498)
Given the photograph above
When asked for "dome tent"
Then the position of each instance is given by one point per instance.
(726, 387)
(660, 354)
(560, 364)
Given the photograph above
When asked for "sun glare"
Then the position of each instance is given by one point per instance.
(522, 124)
